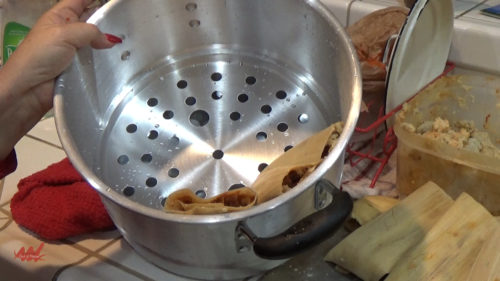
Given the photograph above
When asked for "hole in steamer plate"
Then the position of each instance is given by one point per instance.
(199, 118)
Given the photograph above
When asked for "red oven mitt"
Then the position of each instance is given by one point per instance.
(57, 203)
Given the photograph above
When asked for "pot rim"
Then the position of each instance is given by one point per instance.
(327, 163)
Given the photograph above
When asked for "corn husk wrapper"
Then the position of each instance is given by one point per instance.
(487, 265)
(281, 175)
(301, 160)
(271, 184)
(452, 246)
(185, 201)
(371, 251)
(310, 150)
(370, 207)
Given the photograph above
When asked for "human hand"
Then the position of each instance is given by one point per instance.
(27, 79)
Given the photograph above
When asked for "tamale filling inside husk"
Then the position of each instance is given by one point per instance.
(283, 174)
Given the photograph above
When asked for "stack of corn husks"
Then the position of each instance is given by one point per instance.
(426, 236)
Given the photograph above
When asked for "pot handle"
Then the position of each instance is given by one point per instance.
(309, 231)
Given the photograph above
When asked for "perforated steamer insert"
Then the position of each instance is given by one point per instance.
(211, 125)
(203, 95)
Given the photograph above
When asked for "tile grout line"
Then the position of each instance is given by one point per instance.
(5, 204)
(96, 254)
(6, 212)
(44, 141)
(56, 275)
(87, 250)
(124, 268)
(471, 9)
(9, 219)
(118, 265)
(89, 253)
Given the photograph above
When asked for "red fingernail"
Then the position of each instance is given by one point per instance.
(113, 39)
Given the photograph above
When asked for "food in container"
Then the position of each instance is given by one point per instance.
(461, 134)
(467, 105)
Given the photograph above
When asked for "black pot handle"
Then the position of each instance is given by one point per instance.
(308, 232)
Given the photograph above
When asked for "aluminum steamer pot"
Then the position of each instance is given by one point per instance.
(203, 95)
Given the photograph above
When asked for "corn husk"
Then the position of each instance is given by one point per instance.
(304, 158)
(372, 250)
(284, 173)
(487, 264)
(311, 150)
(185, 201)
(272, 183)
(369, 207)
(451, 248)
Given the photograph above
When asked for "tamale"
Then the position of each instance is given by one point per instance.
(371, 251)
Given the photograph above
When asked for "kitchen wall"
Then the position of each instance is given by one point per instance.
(476, 37)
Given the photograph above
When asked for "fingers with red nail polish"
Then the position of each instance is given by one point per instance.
(113, 39)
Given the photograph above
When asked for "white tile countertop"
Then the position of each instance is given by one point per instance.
(106, 256)
(97, 256)
(103, 255)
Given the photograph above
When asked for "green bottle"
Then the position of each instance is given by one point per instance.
(14, 34)
(17, 17)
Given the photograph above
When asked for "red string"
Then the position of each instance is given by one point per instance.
(390, 141)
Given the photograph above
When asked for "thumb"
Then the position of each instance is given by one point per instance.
(81, 34)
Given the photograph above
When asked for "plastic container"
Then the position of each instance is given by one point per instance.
(421, 159)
